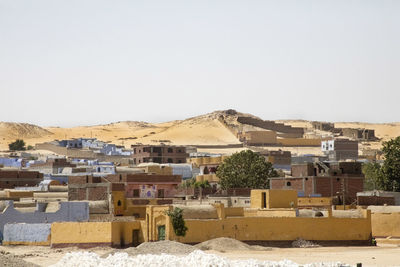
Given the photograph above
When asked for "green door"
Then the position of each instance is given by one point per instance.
(161, 232)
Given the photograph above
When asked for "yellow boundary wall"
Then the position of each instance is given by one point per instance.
(279, 229)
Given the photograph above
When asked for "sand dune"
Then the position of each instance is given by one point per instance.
(205, 129)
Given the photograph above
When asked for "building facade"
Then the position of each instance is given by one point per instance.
(158, 154)
(340, 149)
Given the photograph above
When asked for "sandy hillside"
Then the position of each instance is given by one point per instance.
(206, 129)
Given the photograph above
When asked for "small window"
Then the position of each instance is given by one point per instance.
(338, 179)
(119, 203)
(135, 192)
(288, 183)
(170, 150)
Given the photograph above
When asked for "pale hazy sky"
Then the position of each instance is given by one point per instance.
(82, 62)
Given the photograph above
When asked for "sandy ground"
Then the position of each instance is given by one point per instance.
(368, 256)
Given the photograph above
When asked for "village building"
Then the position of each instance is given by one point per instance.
(340, 149)
(280, 159)
(359, 134)
(142, 185)
(324, 179)
(208, 168)
(52, 165)
(16, 178)
(158, 154)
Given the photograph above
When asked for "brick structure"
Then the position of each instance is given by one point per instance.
(359, 134)
(325, 179)
(278, 158)
(323, 126)
(159, 154)
(375, 201)
(340, 149)
(283, 130)
(257, 138)
(88, 188)
(13, 178)
(147, 185)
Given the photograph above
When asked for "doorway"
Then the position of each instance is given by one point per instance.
(161, 232)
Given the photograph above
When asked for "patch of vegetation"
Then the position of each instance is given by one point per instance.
(178, 223)
(245, 169)
(19, 144)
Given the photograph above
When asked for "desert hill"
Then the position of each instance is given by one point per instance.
(216, 128)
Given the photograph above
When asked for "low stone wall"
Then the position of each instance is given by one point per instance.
(27, 234)
(68, 211)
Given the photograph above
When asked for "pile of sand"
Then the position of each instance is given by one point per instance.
(301, 243)
(223, 244)
(155, 248)
(9, 260)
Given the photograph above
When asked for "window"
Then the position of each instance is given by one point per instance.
(119, 203)
(170, 160)
(135, 192)
(161, 193)
(170, 150)
(288, 184)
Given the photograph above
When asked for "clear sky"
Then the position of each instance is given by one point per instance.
(77, 62)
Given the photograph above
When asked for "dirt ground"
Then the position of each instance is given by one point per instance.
(13, 256)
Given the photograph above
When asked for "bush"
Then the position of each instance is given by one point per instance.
(19, 144)
(178, 223)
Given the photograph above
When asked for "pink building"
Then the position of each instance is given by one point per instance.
(148, 185)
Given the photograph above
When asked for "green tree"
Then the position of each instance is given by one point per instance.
(373, 176)
(19, 144)
(245, 169)
(178, 223)
(204, 184)
(391, 165)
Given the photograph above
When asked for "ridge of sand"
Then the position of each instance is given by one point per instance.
(215, 128)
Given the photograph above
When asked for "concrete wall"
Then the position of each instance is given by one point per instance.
(299, 142)
(68, 211)
(82, 234)
(273, 199)
(92, 234)
(27, 234)
(385, 224)
(314, 202)
(279, 229)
